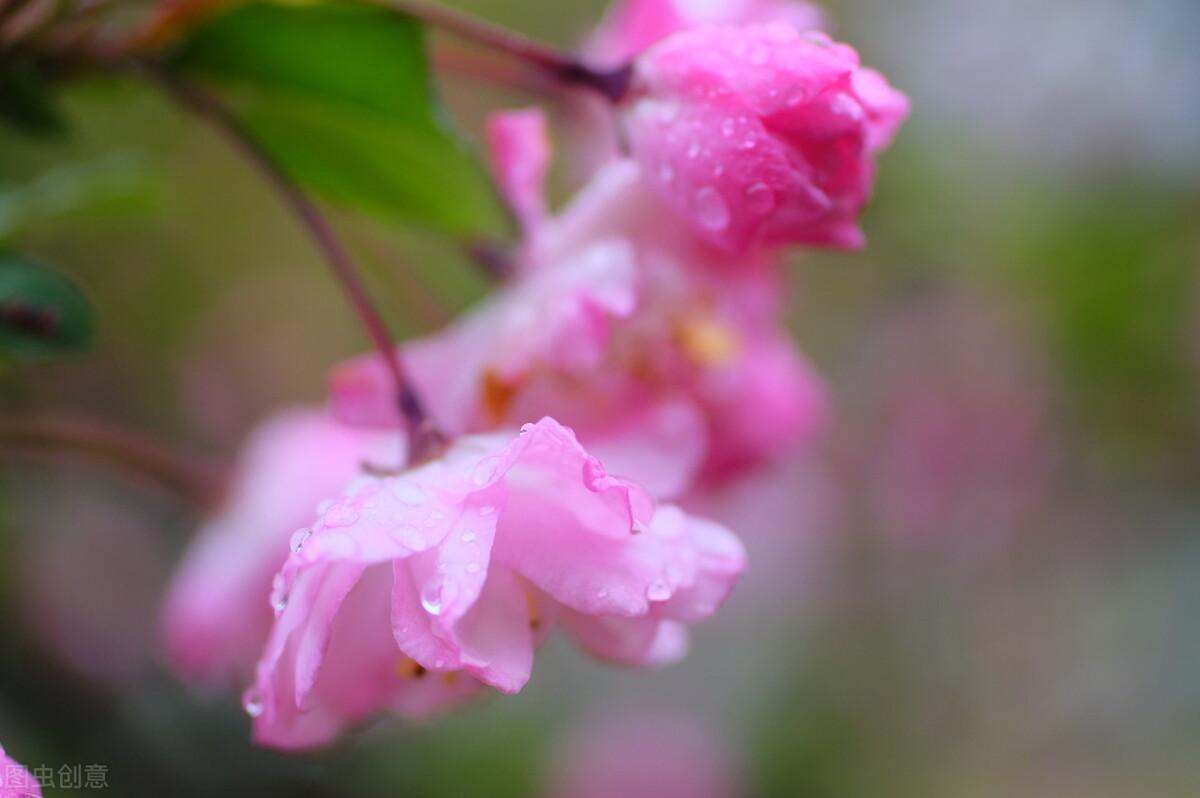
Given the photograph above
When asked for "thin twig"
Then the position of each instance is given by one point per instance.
(130, 453)
(423, 434)
(563, 65)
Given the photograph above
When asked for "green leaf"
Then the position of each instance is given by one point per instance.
(340, 96)
(42, 312)
(116, 182)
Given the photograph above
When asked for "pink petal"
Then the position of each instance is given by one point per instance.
(518, 142)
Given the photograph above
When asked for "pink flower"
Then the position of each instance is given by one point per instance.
(644, 754)
(15, 780)
(520, 148)
(623, 326)
(414, 589)
(761, 133)
(216, 615)
(630, 26)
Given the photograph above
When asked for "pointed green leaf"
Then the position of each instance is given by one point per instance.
(42, 312)
(340, 96)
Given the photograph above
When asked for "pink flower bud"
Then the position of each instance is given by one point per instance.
(631, 26)
(761, 133)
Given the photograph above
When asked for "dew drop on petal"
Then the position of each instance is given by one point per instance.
(474, 568)
(409, 493)
(483, 472)
(760, 198)
(252, 702)
(711, 209)
(468, 537)
(340, 515)
(437, 594)
(299, 538)
(408, 536)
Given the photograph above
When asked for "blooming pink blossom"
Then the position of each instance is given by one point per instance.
(415, 588)
(622, 325)
(216, 615)
(15, 780)
(630, 26)
(761, 133)
(643, 754)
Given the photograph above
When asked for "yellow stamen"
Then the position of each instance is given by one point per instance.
(408, 668)
(708, 341)
(497, 396)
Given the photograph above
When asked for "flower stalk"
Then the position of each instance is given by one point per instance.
(424, 436)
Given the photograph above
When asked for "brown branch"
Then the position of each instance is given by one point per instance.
(423, 434)
(58, 437)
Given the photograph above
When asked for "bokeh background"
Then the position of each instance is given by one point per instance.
(984, 582)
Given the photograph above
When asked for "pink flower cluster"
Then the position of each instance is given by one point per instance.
(635, 357)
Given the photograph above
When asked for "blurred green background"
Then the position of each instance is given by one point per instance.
(1018, 348)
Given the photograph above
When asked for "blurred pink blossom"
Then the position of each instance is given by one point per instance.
(413, 588)
(956, 439)
(643, 755)
(761, 133)
(15, 780)
(216, 616)
(93, 568)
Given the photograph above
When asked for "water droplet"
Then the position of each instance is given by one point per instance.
(711, 209)
(749, 143)
(658, 591)
(340, 515)
(299, 538)
(818, 38)
(408, 536)
(760, 198)
(474, 568)
(409, 493)
(252, 702)
(468, 537)
(437, 594)
(278, 596)
(484, 471)
(602, 593)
